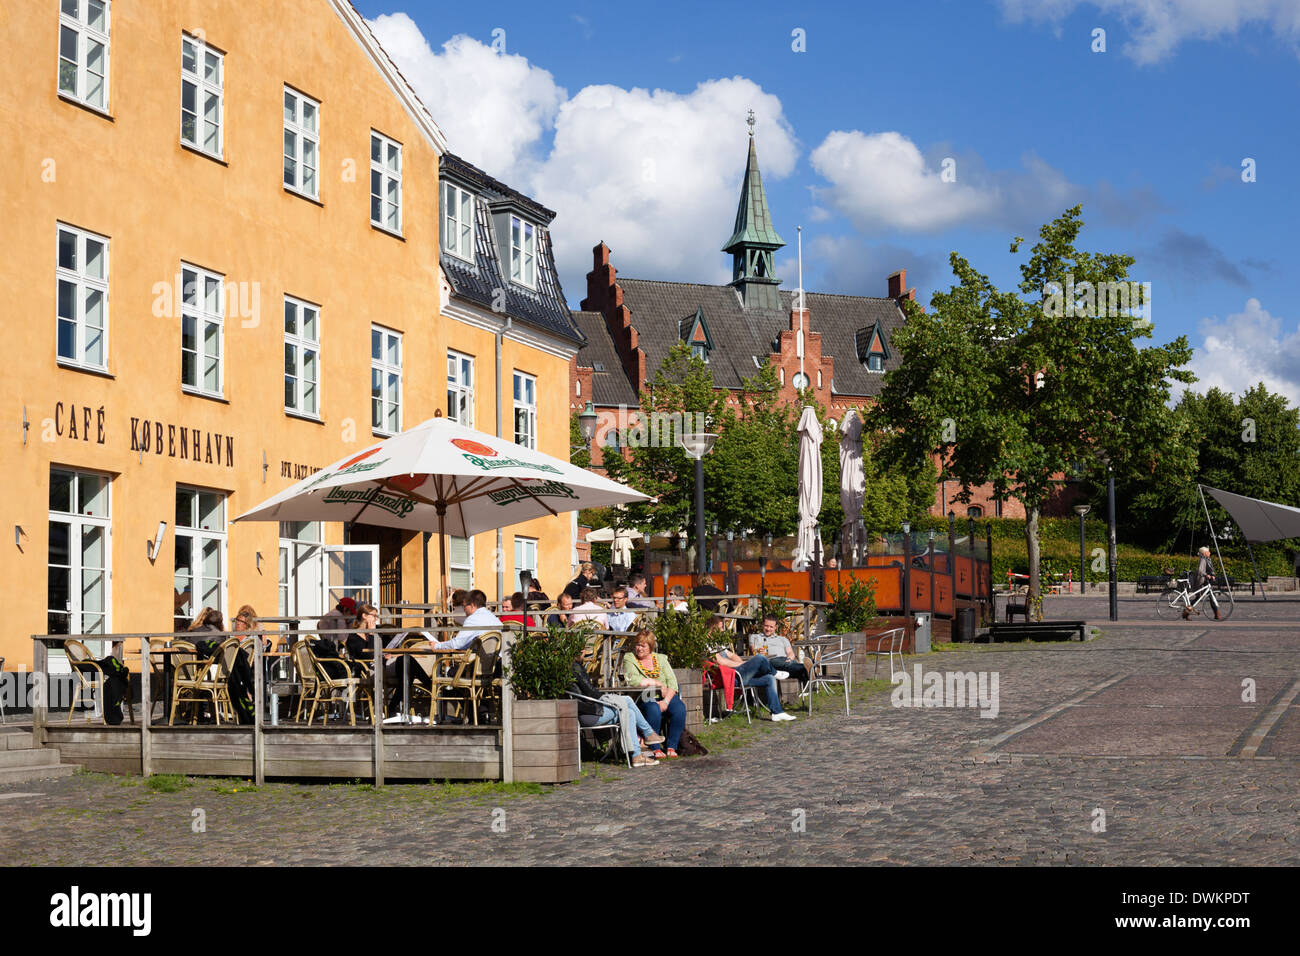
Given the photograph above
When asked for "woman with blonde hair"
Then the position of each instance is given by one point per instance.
(644, 668)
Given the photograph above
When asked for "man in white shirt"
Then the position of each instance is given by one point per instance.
(620, 617)
(777, 649)
(590, 610)
(636, 587)
(478, 620)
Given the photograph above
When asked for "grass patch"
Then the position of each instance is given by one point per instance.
(483, 788)
(168, 783)
(233, 786)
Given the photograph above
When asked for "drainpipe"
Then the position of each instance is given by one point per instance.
(500, 556)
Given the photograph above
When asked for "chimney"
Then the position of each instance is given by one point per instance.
(898, 290)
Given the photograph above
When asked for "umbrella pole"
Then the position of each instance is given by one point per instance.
(1254, 567)
(442, 548)
(1215, 539)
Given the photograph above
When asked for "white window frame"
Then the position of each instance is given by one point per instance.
(458, 221)
(873, 359)
(520, 387)
(198, 538)
(522, 548)
(700, 351)
(297, 541)
(295, 368)
(200, 312)
(301, 134)
(455, 567)
(84, 285)
(390, 181)
(381, 365)
(78, 522)
(77, 22)
(460, 384)
(203, 88)
(523, 252)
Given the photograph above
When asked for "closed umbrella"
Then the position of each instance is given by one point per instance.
(441, 476)
(852, 483)
(810, 485)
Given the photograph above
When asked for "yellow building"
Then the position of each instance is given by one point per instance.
(221, 271)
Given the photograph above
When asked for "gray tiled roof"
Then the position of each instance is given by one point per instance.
(739, 336)
(609, 383)
(544, 307)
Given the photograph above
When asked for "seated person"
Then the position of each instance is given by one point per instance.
(707, 593)
(620, 616)
(677, 598)
(590, 609)
(416, 667)
(536, 595)
(644, 668)
(587, 578)
(361, 642)
(778, 649)
(756, 672)
(339, 619)
(612, 707)
(478, 620)
(516, 613)
(636, 591)
(561, 618)
(458, 609)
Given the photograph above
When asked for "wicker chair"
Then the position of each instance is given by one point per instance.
(84, 666)
(460, 673)
(328, 688)
(488, 646)
(195, 681)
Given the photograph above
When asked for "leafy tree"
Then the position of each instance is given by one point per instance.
(1030, 391)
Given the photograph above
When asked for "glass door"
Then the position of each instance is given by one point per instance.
(351, 571)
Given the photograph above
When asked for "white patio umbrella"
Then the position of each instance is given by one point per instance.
(441, 476)
(620, 543)
(810, 485)
(852, 482)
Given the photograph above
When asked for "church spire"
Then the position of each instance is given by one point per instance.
(754, 239)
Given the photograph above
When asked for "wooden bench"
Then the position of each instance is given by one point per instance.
(1039, 631)
(1147, 583)
(1020, 607)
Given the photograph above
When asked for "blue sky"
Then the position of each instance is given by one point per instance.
(628, 121)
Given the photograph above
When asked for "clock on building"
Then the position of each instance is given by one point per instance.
(800, 380)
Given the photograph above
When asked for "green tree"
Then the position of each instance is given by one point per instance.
(1015, 392)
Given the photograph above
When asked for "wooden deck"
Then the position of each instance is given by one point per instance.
(408, 753)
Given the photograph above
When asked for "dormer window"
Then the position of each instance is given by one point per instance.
(700, 351)
(523, 252)
(693, 330)
(457, 221)
(872, 349)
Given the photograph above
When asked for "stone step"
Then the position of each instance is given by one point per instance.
(42, 757)
(15, 740)
(26, 774)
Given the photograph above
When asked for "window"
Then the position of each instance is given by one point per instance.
(83, 51)
(460, 563)
(200, 565)
(460, 388)
(974, 511)
(201, 95)
(385, 182)
(525, 410)
(611, 440)
(525, 558)
(457, 221)
(79, 578)
(298, 541)
(875, 363)
(203, 304)
(700, 351)
(523, 252)
(301, 143)
(385, 381)
(301, 357)
(82, 271)
(997, 507)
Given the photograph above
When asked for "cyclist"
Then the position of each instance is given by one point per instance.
(1204, 575)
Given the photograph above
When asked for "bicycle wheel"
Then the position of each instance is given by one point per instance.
(1170, 604)
(1225, 604)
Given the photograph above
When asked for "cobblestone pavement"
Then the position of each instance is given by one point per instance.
(1144, 730)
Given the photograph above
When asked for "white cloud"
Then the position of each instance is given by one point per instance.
(1247, 348)
(882, 181)
(494, 107)
(655, 174)
(847, 265)
(1159, 26)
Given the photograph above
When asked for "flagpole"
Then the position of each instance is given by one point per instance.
(1201, 491)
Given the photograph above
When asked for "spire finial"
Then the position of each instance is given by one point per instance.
(750, 120)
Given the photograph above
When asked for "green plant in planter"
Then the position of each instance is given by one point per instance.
(683, 635)
(541, 662)
(851, 607)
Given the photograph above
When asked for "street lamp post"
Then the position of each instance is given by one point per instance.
(1081, 510)
(1111, 557)
(697, 445)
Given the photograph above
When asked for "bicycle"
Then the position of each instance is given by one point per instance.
(1174, 601)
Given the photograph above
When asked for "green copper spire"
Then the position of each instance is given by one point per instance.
(754, 239)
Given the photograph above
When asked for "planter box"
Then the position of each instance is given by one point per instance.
(545, 740)
(690, 685)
